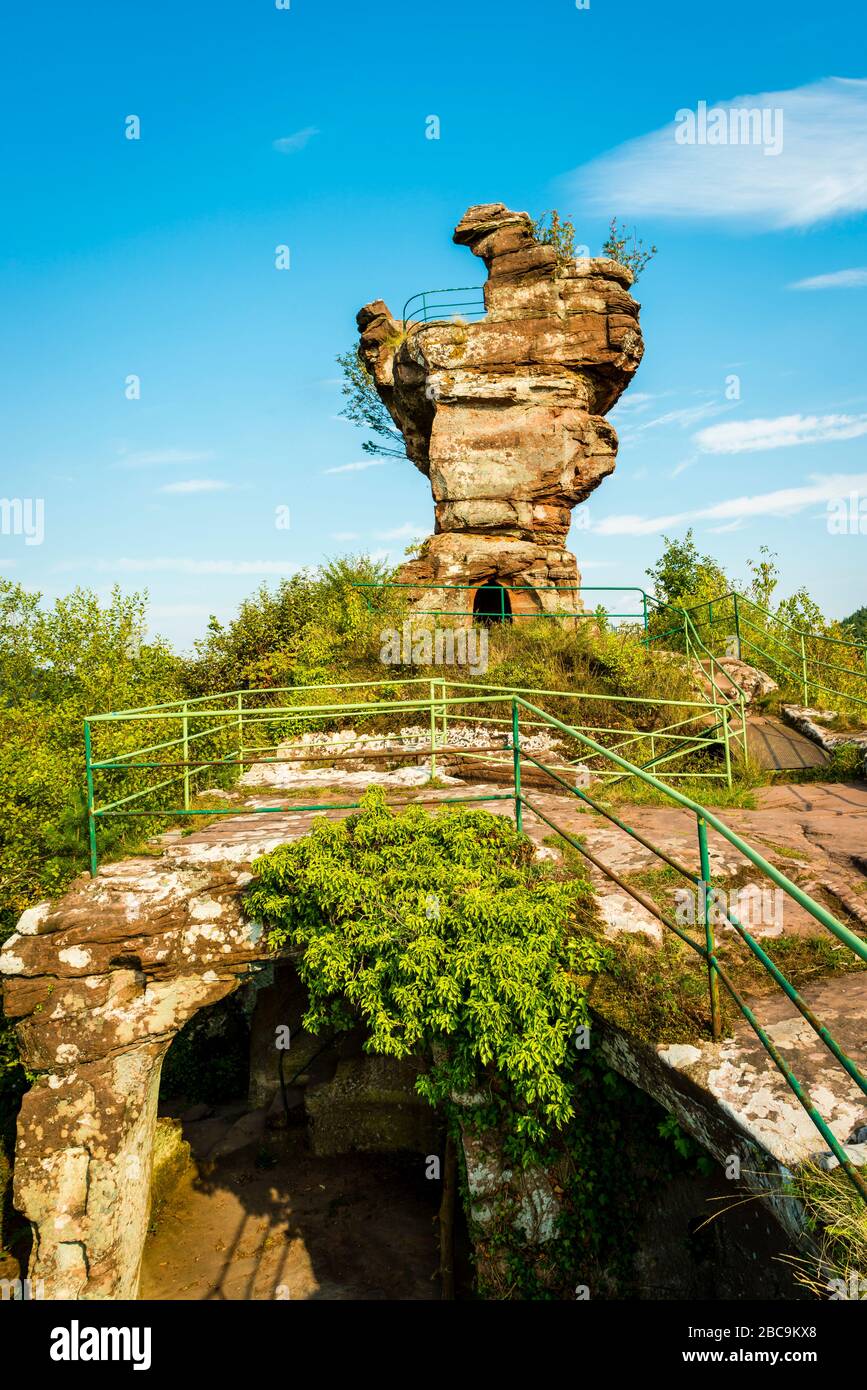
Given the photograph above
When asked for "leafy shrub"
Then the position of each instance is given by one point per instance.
(446, 937)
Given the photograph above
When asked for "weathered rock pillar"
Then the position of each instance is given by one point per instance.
(505, 415)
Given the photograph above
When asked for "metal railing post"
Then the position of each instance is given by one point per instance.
(738, 628)
(91, 818)
(445, 723)
(728, 751)
(704, 887)
(744, 726)
(186, 738)
(240, 728)
(646, 634)
(516, 767)
(804, 670)
(433, 732)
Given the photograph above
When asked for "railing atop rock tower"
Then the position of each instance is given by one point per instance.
(460, 302)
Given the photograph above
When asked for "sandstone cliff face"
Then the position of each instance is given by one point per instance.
(505, 416)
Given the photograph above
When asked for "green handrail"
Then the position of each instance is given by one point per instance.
(226, 728)
(716, 972)
(803, 647)
(428, 310)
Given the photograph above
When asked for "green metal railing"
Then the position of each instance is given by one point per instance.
(223, 734)
(727, 700)
(711, 907)
(798, 660)
(504, 614)
(429, 306)
(234, 722)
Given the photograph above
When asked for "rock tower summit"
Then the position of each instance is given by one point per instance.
(505, 415)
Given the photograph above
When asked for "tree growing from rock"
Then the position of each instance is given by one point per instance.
(365, 408)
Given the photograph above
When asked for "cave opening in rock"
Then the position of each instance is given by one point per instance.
(492, 604)
(291, 1165)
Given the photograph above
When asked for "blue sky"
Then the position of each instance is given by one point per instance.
(306, 127)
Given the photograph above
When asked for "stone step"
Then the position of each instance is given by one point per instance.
(371, 1106)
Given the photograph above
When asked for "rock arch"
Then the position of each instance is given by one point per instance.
(100, 984)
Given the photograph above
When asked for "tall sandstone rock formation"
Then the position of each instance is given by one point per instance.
(505, 416)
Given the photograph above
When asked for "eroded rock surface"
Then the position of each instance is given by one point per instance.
(101, 982)
(505, 416)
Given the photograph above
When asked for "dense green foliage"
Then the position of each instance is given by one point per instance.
(310, 628)
(856, 625)
(448, 939)
(57, 664)
(790, 638)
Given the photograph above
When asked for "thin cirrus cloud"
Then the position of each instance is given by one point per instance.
(357, 467)
(783, 502)
(189, 486)
(853, 279)
(400, 533)
(818, 174)
(782, 432)
(688, 416)
(288, 144)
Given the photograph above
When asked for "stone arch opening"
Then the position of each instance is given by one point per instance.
(326, 1151)
(492, 603)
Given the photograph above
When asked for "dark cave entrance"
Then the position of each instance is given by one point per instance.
(308, 1169)
(492, 604)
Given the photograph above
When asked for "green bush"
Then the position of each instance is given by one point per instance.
(447, 938)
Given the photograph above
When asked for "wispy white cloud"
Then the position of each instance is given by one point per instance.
(820, 172)
(681, 467)
(401, 532)
(157, 458)
(345, 536)
(191, 485)
(288, 144)
(637, 401)
(357, 467)
(686, 417)
(169, 564)
(782, 502)
(784, 431)
(852, 279)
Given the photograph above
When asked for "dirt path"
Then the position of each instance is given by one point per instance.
(353, 1227)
